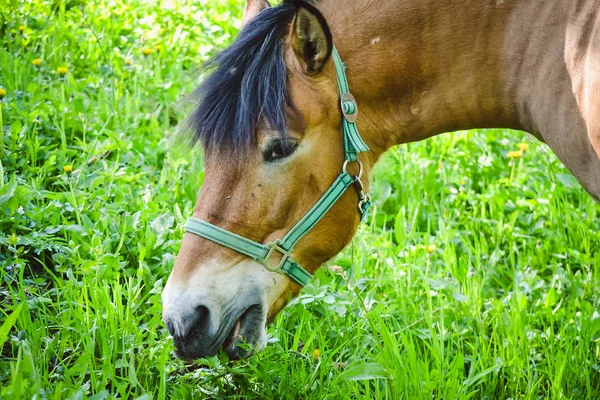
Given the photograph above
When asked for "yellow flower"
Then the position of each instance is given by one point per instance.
(37, 62)
(21, 28)
(514, 154)
(68, 168)
(129, 61)
(62, 70)
(431, 248)
(316, 354)
(158, 48)
(2, 92)
(523, 146)
(147, 52)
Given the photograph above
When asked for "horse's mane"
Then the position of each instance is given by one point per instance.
(247, 86)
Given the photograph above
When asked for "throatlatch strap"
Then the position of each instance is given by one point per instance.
(353, 143)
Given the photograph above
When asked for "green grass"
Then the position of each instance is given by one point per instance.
(475, 277)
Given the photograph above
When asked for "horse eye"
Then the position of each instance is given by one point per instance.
(280, 149)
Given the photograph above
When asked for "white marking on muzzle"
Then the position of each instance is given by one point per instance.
(219, 288)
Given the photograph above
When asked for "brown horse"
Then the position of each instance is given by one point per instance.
(269, 119)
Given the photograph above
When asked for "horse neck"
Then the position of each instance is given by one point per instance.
(423, 67)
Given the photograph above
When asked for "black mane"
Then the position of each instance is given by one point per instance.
(248, 85)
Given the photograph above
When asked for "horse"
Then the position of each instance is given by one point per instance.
(275, 119)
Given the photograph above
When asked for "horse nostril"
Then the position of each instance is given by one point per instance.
(170, 327)
(199, 321)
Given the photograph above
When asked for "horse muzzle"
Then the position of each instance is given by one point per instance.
(217, 310)
(203, 334)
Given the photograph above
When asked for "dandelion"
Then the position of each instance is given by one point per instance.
(2, 92)
(62, 70)
(523, 146)
(158, 48)
(431, 248)
(21, 28)
(316, 354)
(147, 51)
(37, 62)
(68, 168)
(129, 61)
(514, 154)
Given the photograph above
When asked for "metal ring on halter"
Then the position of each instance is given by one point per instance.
(360, 168)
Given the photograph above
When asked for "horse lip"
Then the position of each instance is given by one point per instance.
(240, 332)
(234, 334)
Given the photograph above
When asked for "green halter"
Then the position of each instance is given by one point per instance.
(353, 145)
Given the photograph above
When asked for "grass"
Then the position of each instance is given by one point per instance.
(475, 276)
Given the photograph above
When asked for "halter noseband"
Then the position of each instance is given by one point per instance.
(353, 145)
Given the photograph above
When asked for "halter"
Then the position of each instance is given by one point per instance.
(263, 253)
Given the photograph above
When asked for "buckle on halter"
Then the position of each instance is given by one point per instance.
(274, 247)
(349, 107)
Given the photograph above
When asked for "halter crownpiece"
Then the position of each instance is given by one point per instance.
(265, 253)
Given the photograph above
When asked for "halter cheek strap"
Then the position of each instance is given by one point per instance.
(276, 256)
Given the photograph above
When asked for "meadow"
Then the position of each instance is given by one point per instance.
(475, 276)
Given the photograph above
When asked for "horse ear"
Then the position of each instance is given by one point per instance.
(253, 7)
(310, 38)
